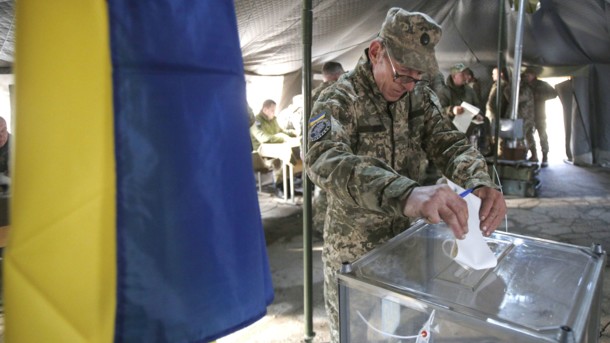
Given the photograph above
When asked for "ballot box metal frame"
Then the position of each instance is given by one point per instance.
(582, 323)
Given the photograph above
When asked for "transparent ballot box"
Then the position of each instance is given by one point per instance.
(409, 290)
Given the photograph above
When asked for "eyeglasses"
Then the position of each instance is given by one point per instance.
(403, 79)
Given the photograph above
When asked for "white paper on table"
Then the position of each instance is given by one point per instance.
(472, 251)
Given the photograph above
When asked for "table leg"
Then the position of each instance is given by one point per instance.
(291, 169)
(284, 184)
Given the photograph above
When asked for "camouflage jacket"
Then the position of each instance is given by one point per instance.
(527, 106)
(542, 92)
(368, 155)
(451, 95)
(492, 108)
(315, 94)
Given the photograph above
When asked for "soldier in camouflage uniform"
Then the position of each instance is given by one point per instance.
(451, 98)
(542, 92)
(526, 110)
(331, 71)
(371, 134)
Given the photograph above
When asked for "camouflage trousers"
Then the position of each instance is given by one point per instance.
(544, 139)
(529, 130)
(331, 299)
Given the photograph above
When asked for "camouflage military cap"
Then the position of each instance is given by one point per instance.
(457, 68)
(411, 37)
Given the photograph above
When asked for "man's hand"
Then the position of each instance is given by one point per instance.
(436, 203)
(457, 110)
(493, 208)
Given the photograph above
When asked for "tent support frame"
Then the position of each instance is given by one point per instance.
(307, 20)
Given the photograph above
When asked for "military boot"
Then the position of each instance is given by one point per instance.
(534, 157)
(545, 159)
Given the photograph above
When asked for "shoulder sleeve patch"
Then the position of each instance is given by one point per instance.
(318, 117)
(319, 125)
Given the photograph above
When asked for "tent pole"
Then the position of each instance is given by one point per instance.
(307, 21)
(500, 66)
(517, 67)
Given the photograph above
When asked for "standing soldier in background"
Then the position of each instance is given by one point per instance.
(526, 111)
(331, 71)
(371, 135)
(542, 92)
(451, 97)
(473, 82)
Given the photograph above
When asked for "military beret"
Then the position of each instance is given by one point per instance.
(411, 38)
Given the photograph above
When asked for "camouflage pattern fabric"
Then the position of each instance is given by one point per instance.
(491, 108)
(526, 111)
(368, 154)
(451, 95)
(411, 37)
(319, 206)
(315, 94)
(319, 202)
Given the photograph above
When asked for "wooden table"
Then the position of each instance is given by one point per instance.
(290, 155)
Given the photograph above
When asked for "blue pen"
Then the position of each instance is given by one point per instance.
(466, 192)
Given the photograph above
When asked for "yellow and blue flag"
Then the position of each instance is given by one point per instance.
(134, 212)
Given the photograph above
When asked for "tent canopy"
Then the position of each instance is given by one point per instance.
(567, 38)
(558, 34)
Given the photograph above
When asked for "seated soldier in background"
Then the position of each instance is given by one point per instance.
(267, 130)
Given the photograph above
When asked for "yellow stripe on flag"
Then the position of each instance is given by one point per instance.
(59, 265)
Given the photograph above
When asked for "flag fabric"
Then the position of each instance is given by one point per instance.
(134, 213)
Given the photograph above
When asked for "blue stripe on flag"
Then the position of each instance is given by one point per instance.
(192, 263)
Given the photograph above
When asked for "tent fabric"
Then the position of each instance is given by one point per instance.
(135, 216)
(7, 29)
(564, 37)
(559, 33)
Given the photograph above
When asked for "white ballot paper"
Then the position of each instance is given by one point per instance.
(470, 108)
(472, 251)
(462, 121)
